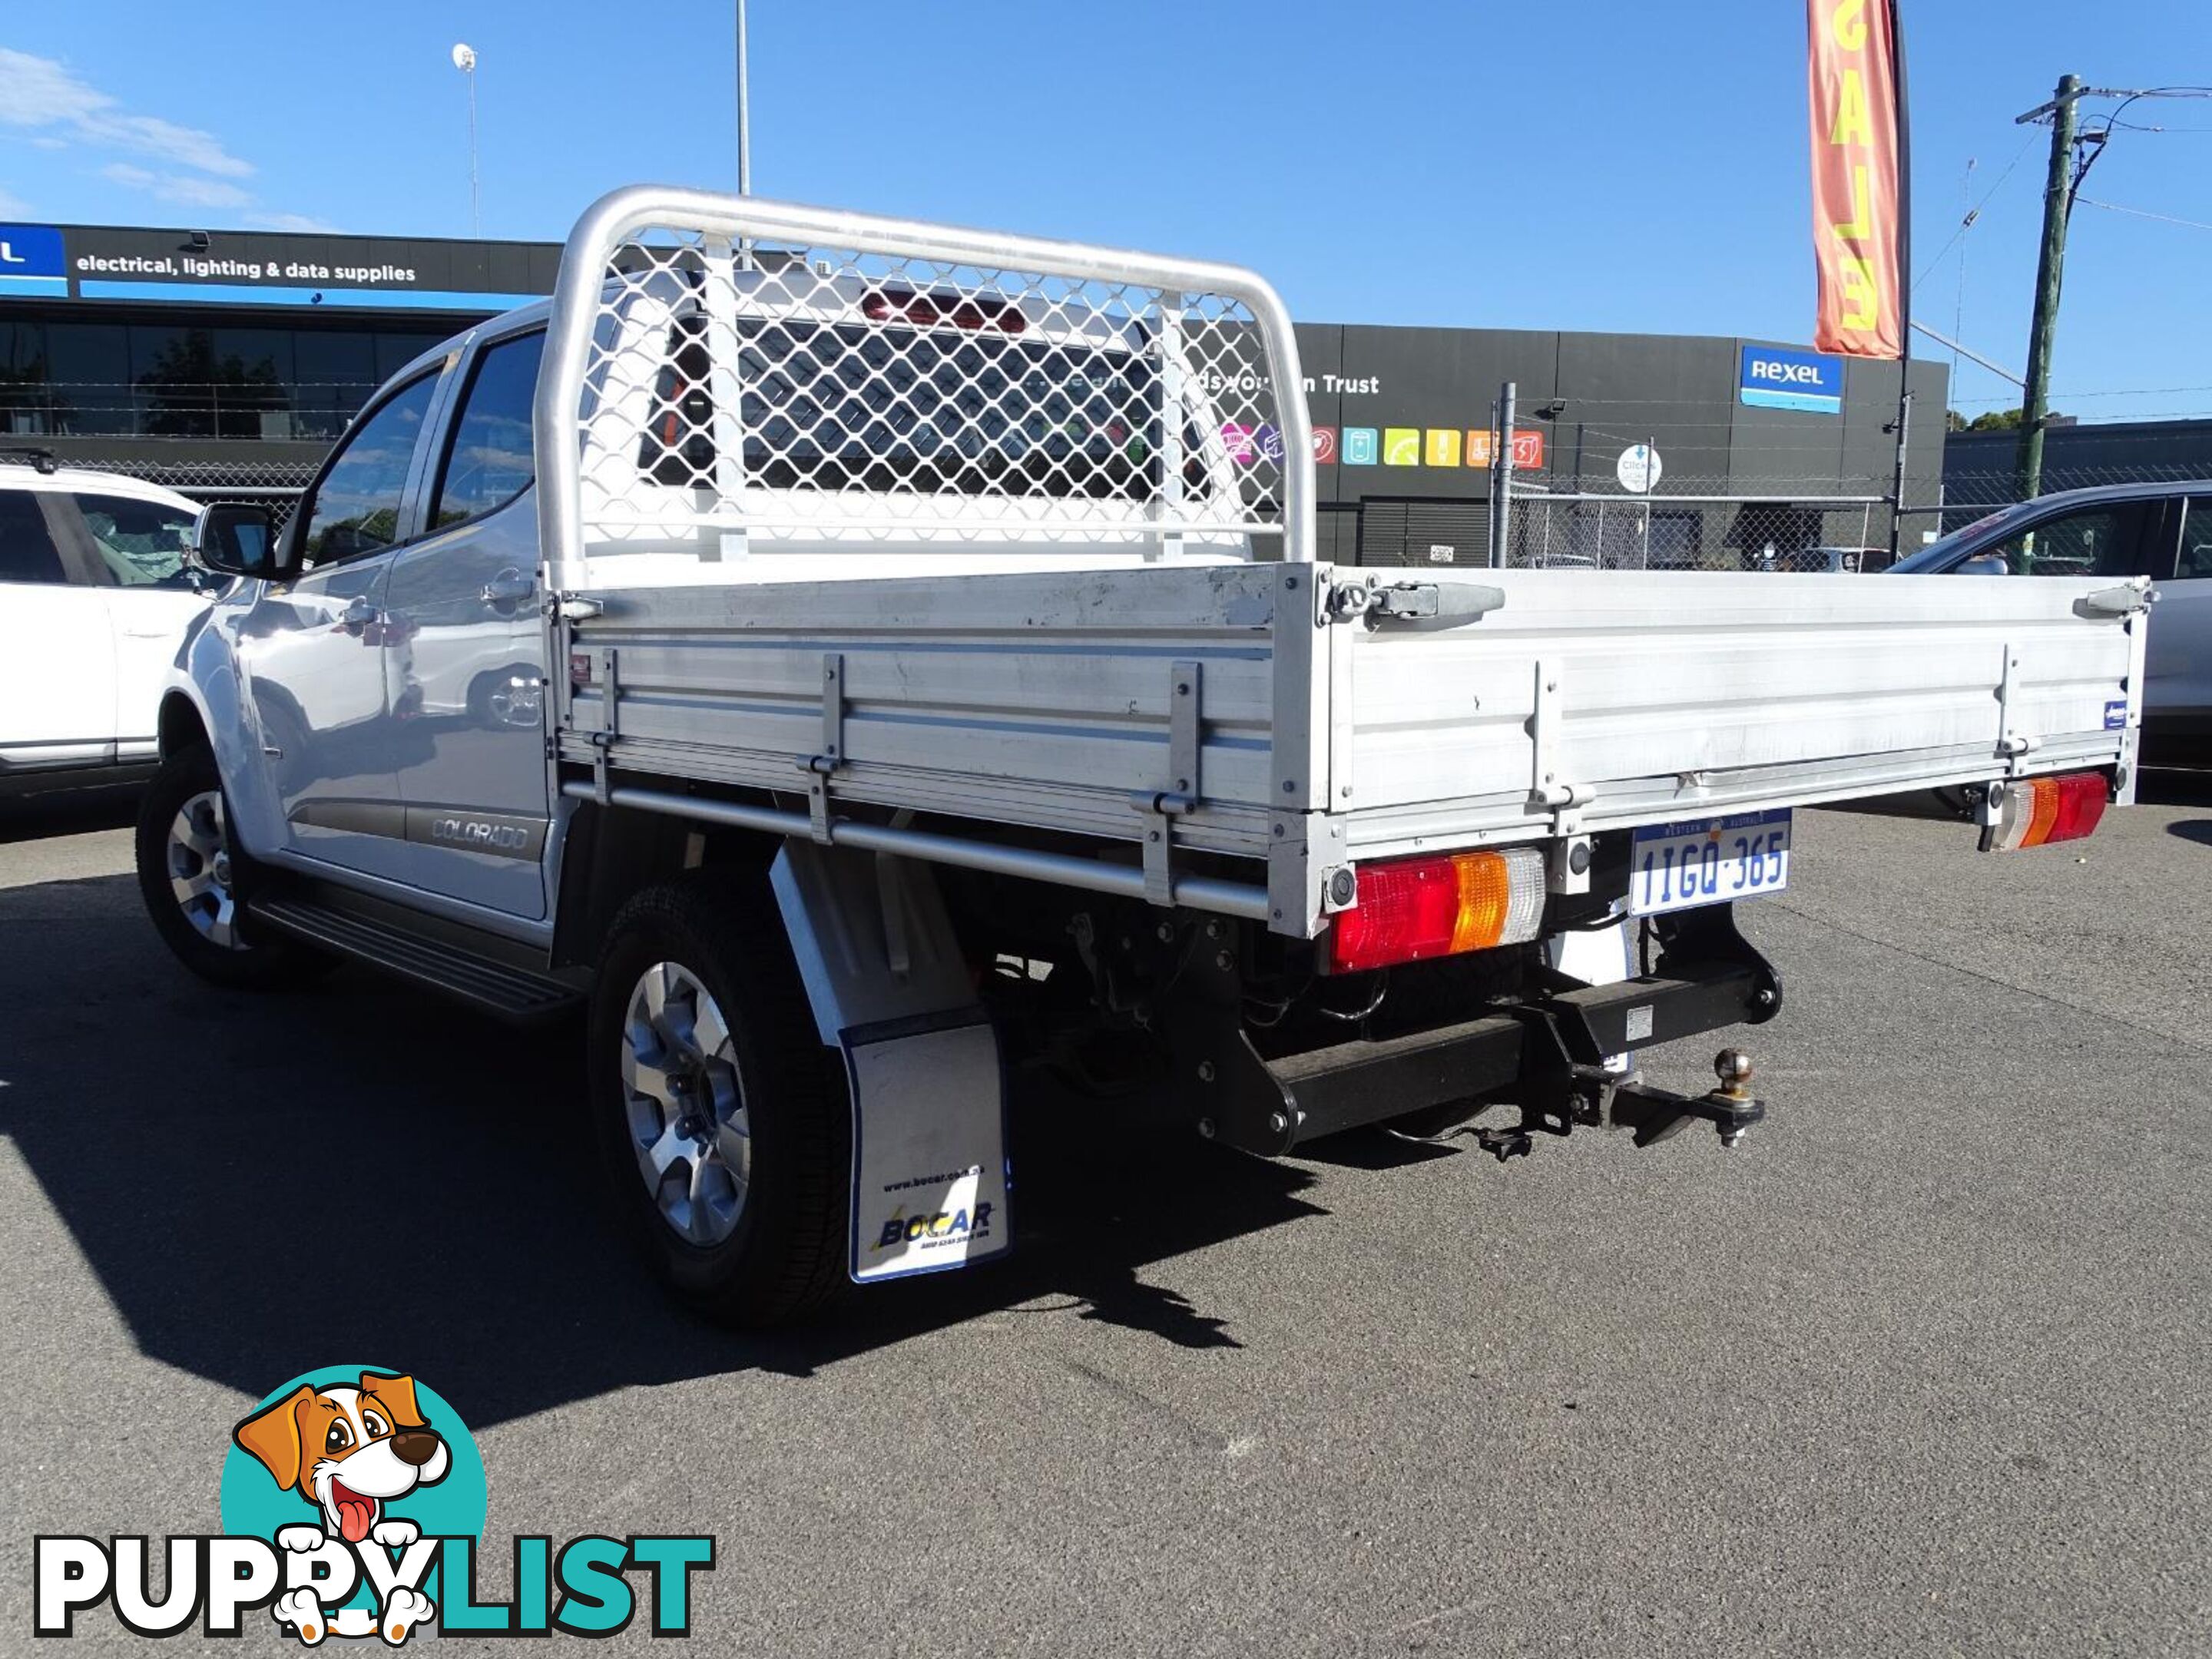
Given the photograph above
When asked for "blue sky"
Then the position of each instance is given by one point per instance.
(1604, 165)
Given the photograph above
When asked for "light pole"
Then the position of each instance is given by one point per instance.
(744, 124)
(465, 59)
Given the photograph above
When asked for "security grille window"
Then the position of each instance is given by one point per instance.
(142, 543)
(742, 396)
(357, 508)
(27, 553)
(488, 461)
(968, 408)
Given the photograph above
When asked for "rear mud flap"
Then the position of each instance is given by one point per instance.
(890, 991)
(929, 1145)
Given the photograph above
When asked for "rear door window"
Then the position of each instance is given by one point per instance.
(2196, 563)
(27, 550)
(488, 459)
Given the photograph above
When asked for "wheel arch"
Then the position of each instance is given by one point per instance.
(180, 726)
(611, 853)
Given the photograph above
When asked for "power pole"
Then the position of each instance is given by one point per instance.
(2057, 206)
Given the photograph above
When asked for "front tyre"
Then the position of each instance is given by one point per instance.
(720, 1117)
(192, 875)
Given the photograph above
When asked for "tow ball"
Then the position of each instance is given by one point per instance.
(1595, 1097)
(1654, 1113)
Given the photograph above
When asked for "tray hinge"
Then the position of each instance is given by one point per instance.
(605, 675)
(1161, 807)
(2013, 743)
(1546, 788)
(820, 767)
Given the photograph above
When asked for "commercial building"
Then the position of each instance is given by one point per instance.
(235, 357)
(1981, 469)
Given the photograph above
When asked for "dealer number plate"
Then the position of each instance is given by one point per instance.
(1678, 866)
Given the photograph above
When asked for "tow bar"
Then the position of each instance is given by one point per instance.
(1654, 1113)
(1650, 1112)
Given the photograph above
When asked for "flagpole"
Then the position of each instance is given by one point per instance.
(1903, 275)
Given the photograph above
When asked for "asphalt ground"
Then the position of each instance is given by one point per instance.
(1921, 1368)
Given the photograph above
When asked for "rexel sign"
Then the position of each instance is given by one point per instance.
(1775, 377)
(31, 261)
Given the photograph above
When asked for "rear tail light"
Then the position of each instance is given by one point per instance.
(2040, 810)
(1414, 909)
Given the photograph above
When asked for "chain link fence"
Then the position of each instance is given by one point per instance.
(1695, 525)
(1976, 494)
(1691, 524)
(276, 485)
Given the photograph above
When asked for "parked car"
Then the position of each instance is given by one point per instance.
(2160, 531)
(1842, 561)
(95, 595)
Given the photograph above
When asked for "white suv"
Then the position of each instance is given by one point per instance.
(95, 595)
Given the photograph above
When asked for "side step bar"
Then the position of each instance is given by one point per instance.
(510, 993)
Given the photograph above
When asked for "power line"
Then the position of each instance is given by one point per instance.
(1973, 213)
(2142, 213)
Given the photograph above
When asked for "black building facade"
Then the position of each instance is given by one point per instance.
(241, 354)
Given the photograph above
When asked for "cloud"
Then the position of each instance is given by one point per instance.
(13, 207)
(181, 188)
(56, 110)
(298, 221)
(41, 94)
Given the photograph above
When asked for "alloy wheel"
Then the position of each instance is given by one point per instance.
(199, 866)
(684, 1108)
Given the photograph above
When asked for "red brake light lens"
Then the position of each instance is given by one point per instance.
(2036, 810)
(903, 305)
(1414, 909)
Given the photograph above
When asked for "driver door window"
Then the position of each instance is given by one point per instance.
(357, 506)
(2106, 540)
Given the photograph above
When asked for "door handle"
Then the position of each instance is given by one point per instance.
(509, 587)
(357, 615)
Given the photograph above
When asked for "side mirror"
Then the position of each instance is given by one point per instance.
(237, 540)
(1984, 564)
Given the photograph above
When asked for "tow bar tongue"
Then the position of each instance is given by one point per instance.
(1654, 1113)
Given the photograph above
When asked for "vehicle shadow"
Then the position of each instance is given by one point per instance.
(261, 1182)
(2196, 829)
(68, 812)
(2174, 785)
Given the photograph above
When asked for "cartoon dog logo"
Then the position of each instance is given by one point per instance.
(351, 1452)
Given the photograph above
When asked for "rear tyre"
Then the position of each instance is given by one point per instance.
(720, 1117)
(195, 879)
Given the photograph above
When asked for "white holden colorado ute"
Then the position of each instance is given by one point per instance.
(848, 657)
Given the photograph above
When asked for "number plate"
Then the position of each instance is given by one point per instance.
(1678, 866)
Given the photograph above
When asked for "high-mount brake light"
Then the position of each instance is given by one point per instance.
(1413, 908)
(2036, 810)
(904, 304)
